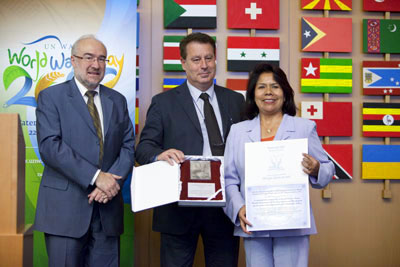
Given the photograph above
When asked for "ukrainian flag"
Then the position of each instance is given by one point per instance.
(381, 162)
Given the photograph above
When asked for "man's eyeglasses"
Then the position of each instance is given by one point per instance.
(90, 59)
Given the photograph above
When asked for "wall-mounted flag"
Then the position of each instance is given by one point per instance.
(246, 52)
(326, 75)
(137, 72)
(238, 85)
(380, 162)
(381, 119)
(170, 83)
(326, 4)
(326, 34)
(381, 77)
(381, 36)
(253, 14)
(171, 61)
(182, 14)
(332, 118)
(342, 158)
(381, 5)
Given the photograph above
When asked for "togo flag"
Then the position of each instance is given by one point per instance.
(381, 77)
(326, 75)
(380, 162)
(246, 52)
(381, 36)
(381, 119)
(182, 14)
(332, 118)
(342, 158)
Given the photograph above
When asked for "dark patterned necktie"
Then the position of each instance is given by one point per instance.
(214, 135)
(96, 121)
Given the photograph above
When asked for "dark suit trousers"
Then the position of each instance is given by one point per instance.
(221, 248)
(95, 248)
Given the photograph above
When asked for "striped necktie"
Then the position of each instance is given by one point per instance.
(96, 121)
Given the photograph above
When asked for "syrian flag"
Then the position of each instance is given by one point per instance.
(244, 53)
(342, 158)
(182, 14)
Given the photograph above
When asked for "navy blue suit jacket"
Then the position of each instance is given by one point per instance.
(172, 122)
(69, 148)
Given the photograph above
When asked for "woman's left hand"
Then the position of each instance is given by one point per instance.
(311, 165)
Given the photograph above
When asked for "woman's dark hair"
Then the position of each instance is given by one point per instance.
(250, 108)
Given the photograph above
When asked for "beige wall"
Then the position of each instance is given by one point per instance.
(357, 227)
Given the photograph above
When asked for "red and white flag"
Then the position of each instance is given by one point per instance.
(332, 118)
(253, 14)
(246, 52)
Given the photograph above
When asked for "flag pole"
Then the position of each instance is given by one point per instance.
(386, 192)
(326, 192)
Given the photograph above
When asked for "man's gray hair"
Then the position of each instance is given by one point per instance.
(84, 37)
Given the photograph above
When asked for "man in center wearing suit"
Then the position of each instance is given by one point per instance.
(86, 142)
(175, 127)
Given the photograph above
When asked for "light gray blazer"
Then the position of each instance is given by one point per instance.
(249, 131)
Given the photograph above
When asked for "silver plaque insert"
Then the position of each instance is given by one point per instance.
(200, 170)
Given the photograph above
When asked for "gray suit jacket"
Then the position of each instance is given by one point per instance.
(172, 122)
(69, 148)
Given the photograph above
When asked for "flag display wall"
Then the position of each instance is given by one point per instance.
(253, 14)
(326, 75)
(381, 77)
(332, 118)
(381, 162)
(344, 5)
(326, 34)
(379, 5)
(381, 36)
(342, 158)
(381, 119)
(181, 14)
(244, 53)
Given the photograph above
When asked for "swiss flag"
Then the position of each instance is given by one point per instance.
(253, 14)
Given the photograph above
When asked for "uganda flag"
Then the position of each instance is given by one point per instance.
(380, 162)
(381, 77)
(244, 53)
(381, 36)
(238, 85)
(182, 14)
(171, 60)
(326, 34)
(326, 4)
(381, 119)
(326, 75)
(342, 158)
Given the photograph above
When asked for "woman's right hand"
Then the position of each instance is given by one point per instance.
(243, 220)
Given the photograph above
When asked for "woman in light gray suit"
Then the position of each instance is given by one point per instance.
(270, 111)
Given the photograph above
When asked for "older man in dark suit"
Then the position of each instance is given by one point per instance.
(86, 142)
(192, 119)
